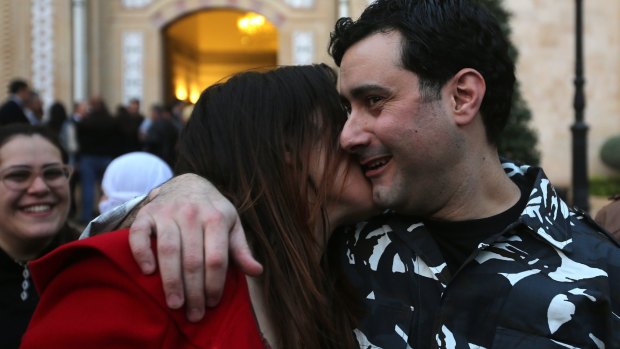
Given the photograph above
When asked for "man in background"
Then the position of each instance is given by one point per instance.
(12, 111)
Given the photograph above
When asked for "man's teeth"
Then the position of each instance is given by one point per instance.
(38, 208)
(376, 165)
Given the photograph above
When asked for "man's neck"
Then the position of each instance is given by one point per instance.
(484, 192)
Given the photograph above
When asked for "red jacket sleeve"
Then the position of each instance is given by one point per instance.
(94, 296)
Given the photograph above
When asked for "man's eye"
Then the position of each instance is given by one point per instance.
(18, 176)
(373, 100)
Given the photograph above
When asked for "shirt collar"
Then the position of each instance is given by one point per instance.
(545, 214)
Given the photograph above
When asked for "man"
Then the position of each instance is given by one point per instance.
(162, 135)
(33, 109)
(12, 111)
(97, 136)
(475, 253)
(129, 120)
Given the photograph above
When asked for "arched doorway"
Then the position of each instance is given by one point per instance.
(209, 45)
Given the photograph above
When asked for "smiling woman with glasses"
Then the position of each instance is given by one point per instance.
(34, 204)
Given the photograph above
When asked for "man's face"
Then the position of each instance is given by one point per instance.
(405, 143)
(24, 94)
(134, 107)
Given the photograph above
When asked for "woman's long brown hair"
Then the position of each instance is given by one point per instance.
(252, 137)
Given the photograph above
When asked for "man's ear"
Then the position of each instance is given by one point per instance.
(466, 91)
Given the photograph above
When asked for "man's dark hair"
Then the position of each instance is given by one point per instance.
(17, 85)
(441, 37)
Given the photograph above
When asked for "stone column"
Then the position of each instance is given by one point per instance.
(343, 8)
(80, 49)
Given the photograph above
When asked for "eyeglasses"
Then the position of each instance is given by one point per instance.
(21, 177)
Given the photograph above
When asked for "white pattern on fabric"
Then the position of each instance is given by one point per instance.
(560, 311)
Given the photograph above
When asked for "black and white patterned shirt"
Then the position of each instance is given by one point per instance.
(551, 279)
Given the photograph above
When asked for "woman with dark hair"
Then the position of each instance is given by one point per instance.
(34, 203)
(269, 142)
(57, 118)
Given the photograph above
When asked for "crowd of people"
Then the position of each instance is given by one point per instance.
(312, 209)
(93, 136)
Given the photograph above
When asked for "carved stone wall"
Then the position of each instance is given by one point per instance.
(42, 43)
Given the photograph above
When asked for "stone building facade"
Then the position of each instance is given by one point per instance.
(73, 49)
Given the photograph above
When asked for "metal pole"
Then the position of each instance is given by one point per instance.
(579, 128)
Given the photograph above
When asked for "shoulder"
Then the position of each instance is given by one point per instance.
(91, 284)
(9, 104)
(100, 273)
(594, 244)
(111, 248)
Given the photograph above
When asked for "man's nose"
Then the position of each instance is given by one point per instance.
(355, 133)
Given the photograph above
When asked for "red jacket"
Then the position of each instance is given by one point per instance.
(93, 295)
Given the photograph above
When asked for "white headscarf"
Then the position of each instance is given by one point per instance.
(131, 175)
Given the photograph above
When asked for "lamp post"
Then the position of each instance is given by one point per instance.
(579, 128)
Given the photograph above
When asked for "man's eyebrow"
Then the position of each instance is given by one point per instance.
(363, 90)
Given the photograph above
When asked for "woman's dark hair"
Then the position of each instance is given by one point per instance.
(252, 137)
(57, 117)
(439, 38)
(8, 132)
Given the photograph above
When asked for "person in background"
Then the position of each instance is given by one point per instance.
(13, 109)
(162, 135)
(34, 109)
(34, 203)
(69, 140)
(131, 175)
(176, 110)
(57, 116)
(68, 132)
(129, 120)
(269, 141)
(97, 135)
(133, 108)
